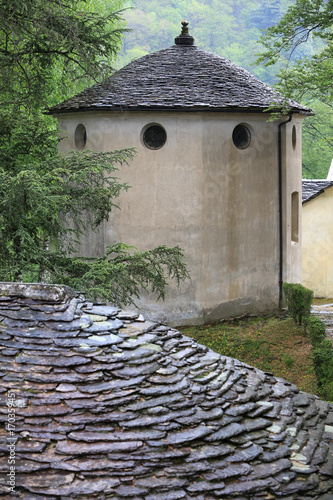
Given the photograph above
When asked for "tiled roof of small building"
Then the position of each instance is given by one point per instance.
(108, 405)
(314, 187)
(181, 77)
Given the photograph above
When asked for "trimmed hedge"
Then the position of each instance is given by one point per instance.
(323, 365)
(299, 301)
(316, 330)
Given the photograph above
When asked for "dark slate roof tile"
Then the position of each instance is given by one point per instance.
(178, 78)
(103, 326)
(51, 359)
(141, 426)
(170, 495)
(247, 487)
(327, 468)
(261, 471)
(314, 187)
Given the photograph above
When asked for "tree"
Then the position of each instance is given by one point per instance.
(50, 49)
(303, 39)
(45, 45)
(318, 141)
(309, 74)
(264, 14)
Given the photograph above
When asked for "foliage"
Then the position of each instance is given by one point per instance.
(316, 330)
(48, 51)
(44, 46)
(310, 75)
(317, 142)
(121, 274)
(306, 74)
(299, 301)
(323, 364)
(44, 205)
(322, 356)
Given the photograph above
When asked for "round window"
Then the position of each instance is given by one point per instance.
(294, 137)
(80, 136)
(241, 137)
(154, 136)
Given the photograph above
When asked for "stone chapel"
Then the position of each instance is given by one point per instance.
(212, 174)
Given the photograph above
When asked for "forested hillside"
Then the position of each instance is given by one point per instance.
(231, 29)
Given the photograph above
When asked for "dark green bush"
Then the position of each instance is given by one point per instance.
(299, 301)
(326, 392)
(323, 365)
(316, 330)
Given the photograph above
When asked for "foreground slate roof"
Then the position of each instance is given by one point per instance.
(109, 406)
(181, 77)
(314, 187)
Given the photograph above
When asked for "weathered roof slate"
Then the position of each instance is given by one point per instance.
(110, 406)
(314, 187)
(179, 78)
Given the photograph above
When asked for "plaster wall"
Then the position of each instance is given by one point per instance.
(217, 202)
(317, 268)
(291, 189)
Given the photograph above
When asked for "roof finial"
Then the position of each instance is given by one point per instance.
(184, 27)
(184, 38)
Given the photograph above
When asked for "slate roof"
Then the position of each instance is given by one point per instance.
(181, 77)
(314, 187)
(110, 406)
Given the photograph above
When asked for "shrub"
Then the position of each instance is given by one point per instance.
(299, 301)
(322, 356)
(323, 364)
(316, 330)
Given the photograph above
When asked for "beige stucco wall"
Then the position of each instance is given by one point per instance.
(217, 202)
(292, 183)
(317, 266)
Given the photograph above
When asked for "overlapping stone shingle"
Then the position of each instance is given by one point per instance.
(153, 415)
(179, 78)
(314, 187)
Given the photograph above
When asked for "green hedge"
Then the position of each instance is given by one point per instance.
(323, 365)
(316, 330)
(299, 301)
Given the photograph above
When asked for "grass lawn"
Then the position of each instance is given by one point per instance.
(274, 344)
(320, 302)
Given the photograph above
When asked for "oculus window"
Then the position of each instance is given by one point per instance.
(241, 136)
(154, 136)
